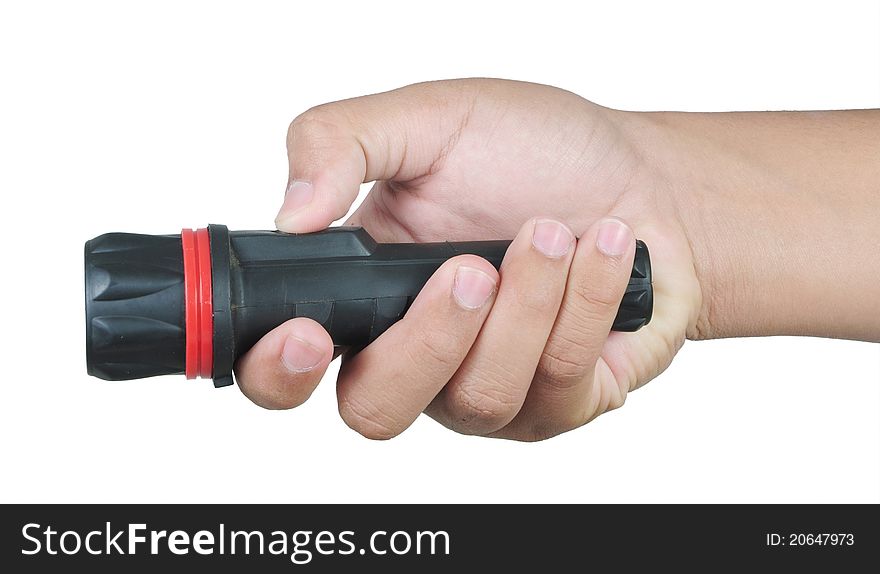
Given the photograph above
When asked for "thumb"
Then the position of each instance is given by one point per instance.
(333, 148)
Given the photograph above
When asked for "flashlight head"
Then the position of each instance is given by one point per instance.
(135, 314)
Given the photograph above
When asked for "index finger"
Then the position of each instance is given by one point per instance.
(385, 387)
(333, 148)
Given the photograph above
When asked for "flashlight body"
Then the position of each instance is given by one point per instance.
(194, 303)
(354, 287)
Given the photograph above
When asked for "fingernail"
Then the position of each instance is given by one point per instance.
(552, 238)
(472, 287)
(300, 356)
(614, 237)
(298, 195)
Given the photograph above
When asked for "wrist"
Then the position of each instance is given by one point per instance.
(696, 173)
(778, 209)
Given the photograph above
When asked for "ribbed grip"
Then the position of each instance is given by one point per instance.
(134, 306)
(637, 305)
(341, 278)
(357, 288)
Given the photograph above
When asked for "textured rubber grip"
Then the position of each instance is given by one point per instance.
(357, 288)
(637, 305)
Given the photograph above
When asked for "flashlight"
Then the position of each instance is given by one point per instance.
(193, 303)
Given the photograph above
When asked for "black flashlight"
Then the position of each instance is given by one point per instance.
(192, 303)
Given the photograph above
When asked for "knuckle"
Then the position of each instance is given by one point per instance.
(432, 348)
(367, 420)
(322, 113)
(313, 123)
(567, 352)
(480, 409)
(596, 296)
(561, 365)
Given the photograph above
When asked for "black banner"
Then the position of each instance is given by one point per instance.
(320, 538)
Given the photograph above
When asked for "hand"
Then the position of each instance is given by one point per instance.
(524, 355)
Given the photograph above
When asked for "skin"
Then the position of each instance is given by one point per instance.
(752, 220)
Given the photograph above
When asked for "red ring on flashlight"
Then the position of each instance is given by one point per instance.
(198, 303)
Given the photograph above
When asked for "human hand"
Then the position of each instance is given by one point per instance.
(524, 355)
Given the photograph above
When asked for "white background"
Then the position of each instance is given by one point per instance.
(154, 116)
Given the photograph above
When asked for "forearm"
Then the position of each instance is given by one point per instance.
(782, 211)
